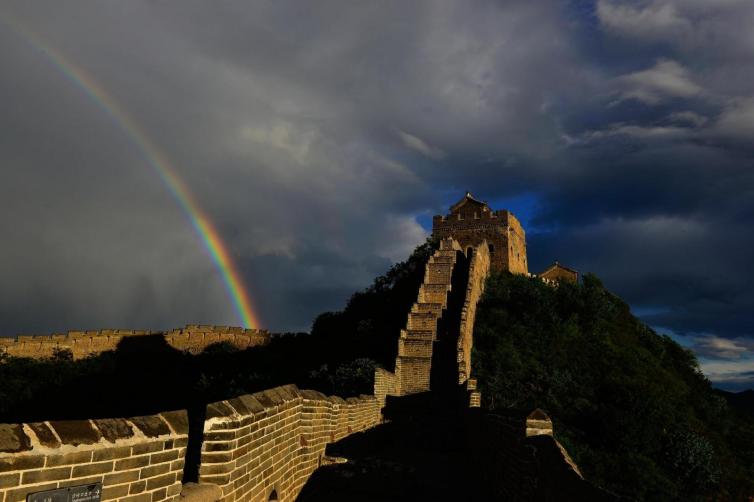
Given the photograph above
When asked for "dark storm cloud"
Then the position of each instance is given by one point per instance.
(315, 135)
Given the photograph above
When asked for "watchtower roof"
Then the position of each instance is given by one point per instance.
(558, 265)
(468, 199)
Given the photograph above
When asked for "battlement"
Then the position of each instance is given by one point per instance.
(483, 214)
(471, 222)
(192, 338)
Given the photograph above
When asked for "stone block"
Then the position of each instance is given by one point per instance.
(114, 492)
(113, 429)
(141, 449)
(13, 439)
(10, 480)
(152, 426)
(78, 457)
(57, 474)
(137, 487)
(178, 421)
(161, 481)
(165, 456)
(155, 470)
(118, 478)
(76, 432)
(20, 463)
(44, 435)
(131, 463)
(91, 469)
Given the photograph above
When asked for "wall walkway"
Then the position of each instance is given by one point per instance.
(82, 344)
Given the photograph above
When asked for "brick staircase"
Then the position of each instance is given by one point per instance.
(414, 361)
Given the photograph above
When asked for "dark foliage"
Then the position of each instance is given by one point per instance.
(631, 406)
(145, 375)
(372, 319)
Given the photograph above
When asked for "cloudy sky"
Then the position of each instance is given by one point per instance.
(321, 140)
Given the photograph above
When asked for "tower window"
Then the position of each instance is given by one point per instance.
(491, 248)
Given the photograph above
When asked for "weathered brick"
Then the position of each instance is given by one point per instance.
(218, 446)
(117, 478)
(174, 490)
(154, 470)
(219, 410)
(111, 453)
(32, 477)
(139, 449)
(219, 436)
(165, 456)
(13, 439)
(88, 480)
(211, 469)
(9, 480)
(45, 435)
(113, 429)
(131, 463)
(159, 495)
(160, 481)
(137, 487)
(113, 492)
(76, 432)
(151, 426)
(90, 469)
(19, 463)
(78, 457)
(217, 458)
(178, 421)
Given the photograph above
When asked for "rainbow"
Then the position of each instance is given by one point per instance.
(177, 188)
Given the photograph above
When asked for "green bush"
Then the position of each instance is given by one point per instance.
(631, 406)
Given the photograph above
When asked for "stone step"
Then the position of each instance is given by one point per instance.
(418, 334)
(415, 348)
(443, 259)
(438, 273)
(435, 308)
(445, 253)
(426, 321)
(434, 293)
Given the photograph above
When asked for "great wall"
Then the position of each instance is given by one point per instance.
(81, 344)
(266, 446)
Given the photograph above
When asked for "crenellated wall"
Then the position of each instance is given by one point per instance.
(414, 361)
(192, 338)
(479, 270)
(138, 459)
(273, 440)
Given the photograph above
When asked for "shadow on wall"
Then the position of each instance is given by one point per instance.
(145, 375)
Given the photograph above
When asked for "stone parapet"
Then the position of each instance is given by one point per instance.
(268, 444)
(82, 344)
(137, 459)
(479, 270)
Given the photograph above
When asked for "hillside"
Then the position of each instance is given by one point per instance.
(631, 406)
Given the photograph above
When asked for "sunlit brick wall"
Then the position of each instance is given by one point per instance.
(138, 459)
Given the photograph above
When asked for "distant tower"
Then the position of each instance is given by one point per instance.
(472, 221)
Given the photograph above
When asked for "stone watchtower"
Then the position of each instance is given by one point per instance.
(472, 221)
